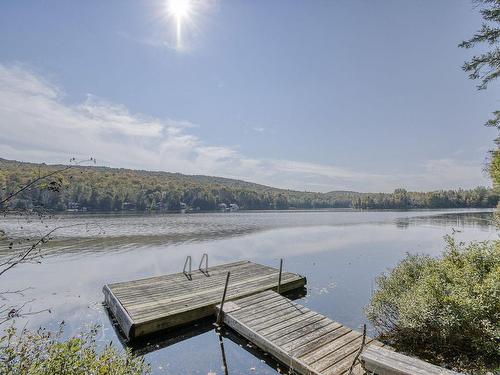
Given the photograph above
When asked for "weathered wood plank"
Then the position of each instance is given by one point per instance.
(214, 292)
(182, 284)
(179, 299)
(386, 362)
(197, 274)
(320, 342)
(298, 342)
(238, 289)
(250, 300)
(267, 345)
(331, 359)
(278, 315)
(254, 308)
(344, 359)
(151, 304)
(199, 308)
(288, 325)
(321, 352)
(120, 314)
(302, 328)
(263, 318)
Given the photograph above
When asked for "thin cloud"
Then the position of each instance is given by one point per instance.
(37, 125)
(259, 129)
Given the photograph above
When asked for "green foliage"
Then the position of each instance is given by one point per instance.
(44, 353)
(495, 169)
(402, 199)
(486, 66)
(445, 310)
(108, 189)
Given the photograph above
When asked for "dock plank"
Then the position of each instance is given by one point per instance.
(178, 283)
(307, 342)
(193, 300)
(387, 362)
(275, 317)
(205, 291)
(148, 305)
(304, 339)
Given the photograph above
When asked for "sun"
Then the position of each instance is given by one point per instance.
(179, 8)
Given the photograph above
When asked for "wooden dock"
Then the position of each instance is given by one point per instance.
(149, 305)
(312, 344)
(305, 341)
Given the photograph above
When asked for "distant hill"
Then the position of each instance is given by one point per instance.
(115, 189)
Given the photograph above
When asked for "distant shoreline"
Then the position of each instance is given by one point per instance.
(101, 189)
(243, 211)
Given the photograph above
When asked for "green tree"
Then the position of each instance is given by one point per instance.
(401, 198)
(485, 67)
(445, 310)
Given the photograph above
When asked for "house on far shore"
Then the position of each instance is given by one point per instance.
(73, 207)
(222, 206)
(233, 207)
(128, 206)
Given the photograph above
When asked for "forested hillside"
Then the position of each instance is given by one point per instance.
(110, 189)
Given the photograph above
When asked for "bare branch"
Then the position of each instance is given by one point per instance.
(43, 177)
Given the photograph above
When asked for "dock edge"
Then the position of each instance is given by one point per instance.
(124, 320)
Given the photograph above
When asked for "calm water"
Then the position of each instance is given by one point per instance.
(340, 252)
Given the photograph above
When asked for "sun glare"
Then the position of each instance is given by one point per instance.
(179, 8)
(180, 11)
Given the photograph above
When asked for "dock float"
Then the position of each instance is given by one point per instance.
(309, 343)
(154, 304)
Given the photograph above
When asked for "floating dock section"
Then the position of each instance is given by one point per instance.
(146, 306)
(312, 344)
(305, 341)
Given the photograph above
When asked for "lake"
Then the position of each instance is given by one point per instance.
(341, 252)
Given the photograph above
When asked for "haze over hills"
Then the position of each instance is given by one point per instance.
(113, 189)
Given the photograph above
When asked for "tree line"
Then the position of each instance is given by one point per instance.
(110, 189)
(479, 197)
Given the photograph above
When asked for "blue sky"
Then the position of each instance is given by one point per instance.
(308, 95)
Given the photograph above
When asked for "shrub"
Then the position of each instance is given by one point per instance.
(44, 353)
(444, 310)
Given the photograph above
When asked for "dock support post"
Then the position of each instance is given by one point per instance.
(363, 342)
(221, 314)
(279, 277)
(188, 260)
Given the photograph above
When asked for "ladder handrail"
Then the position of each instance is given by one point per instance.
(204, 257)
(188, 274)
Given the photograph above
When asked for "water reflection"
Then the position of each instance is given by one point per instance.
(91, 233)
(340, 252)
(481, 220)
(160, 341)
